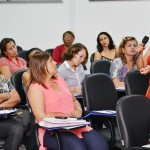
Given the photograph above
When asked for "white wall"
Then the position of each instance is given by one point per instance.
(42, 25)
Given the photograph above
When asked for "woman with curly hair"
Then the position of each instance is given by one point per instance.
(126, 60)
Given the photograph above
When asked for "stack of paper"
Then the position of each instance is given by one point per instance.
(102, 113)
(120, 88)
(146, 146)
(5, 112)
(69, 123)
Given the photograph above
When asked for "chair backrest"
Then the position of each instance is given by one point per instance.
(99, 92)
(136, 83)
(22, 54)
(19, 49)
(2, 143)
(92, 57)
(100, 66)
(133, 120)
(50, 51)
(16, 80)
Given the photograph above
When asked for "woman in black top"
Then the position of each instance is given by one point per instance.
(105, 47)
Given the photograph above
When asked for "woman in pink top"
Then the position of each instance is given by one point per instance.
(10, 63)
(49, 96)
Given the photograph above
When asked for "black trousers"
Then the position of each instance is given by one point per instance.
(91, 141)
(12, 132)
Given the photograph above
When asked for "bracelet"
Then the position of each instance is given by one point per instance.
(79, 109)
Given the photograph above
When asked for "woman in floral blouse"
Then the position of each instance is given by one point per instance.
(10, 129)
(126, 60)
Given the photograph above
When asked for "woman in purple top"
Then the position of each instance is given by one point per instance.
(126, 60)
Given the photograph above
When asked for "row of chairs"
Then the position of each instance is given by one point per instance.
(99, 93)
(22, 53)
(132, 116)
(133, 119)
(135, 83)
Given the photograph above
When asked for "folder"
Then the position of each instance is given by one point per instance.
(79, 96)
(101, 113)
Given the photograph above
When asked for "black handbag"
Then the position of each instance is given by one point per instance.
(22, 116)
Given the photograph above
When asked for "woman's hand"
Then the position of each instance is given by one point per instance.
(145, 70)
(76, 113)
(140, 47)
(78, 89)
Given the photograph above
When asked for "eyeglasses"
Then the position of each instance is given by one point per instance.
(68, 38)
(80, 56)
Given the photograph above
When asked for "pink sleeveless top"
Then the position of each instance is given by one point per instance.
(58, 103)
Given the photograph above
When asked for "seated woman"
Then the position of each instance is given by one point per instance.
(26, 75)
(145, 71)
(68, 39)
(11, 130)
(49, 96)
(10, 63)
(71, 70)
(126, 60)
(105, 47)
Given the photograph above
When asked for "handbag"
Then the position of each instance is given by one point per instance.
(23, 117)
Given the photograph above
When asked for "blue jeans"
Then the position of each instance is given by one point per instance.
(91, 141)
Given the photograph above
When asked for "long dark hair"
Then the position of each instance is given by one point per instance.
(3, 45)
(111, 42)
